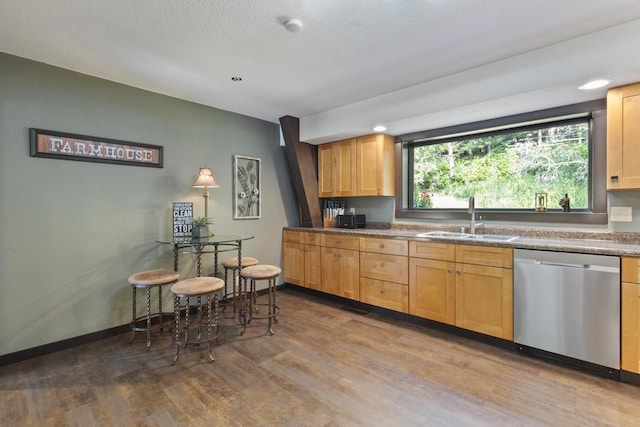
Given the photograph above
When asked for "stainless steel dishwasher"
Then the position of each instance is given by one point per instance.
(567, 307)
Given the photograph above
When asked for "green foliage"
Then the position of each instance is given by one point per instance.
(201, 221)
(505, 170)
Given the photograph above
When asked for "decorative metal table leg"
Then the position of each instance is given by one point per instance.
(176, 337)
(134, 315)
(148, 318)
(210, 325)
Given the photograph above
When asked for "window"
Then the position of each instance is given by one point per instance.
(505, 164)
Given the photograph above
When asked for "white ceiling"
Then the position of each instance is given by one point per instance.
(408, 64)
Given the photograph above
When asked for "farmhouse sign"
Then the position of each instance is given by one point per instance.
(59, 145)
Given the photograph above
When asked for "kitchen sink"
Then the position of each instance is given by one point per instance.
(467, 236)
(443, 234)
(490, 237)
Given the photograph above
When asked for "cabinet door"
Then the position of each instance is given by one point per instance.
(337, 169)
(293, 263)
(330, 266)
(484, 300)
(325, 170)
(630, 327)
(623, 138)
(349, 274)
(432, 290)
(312, 267)
(375, 166)
(345, 168)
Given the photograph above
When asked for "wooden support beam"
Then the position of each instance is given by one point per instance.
(302, 158)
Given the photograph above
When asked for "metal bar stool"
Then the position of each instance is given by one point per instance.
(148, 280)
(248, 276)
(232, 264)
(196, 287)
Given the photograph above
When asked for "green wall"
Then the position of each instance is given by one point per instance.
(72, 232)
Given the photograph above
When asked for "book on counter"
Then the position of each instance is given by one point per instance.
(182, 217)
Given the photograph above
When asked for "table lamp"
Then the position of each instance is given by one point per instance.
(205, 180)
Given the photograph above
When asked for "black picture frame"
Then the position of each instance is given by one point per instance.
(70, 146)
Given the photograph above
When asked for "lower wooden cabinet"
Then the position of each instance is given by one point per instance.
(463, 285)
(630, 327)
(341, 272)
(293, 262)
(380, 293)
(432, 290)
(301, 259)
(484, 299)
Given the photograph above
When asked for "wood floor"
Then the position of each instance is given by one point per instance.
(325, 366)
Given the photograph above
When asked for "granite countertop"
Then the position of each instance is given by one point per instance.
(581, 241)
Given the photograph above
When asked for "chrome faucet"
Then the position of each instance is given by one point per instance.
(472, 211)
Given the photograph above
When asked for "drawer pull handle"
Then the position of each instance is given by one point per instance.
(614, 178)
(381, 245)
(340, 255)
(338, 242)
(458, 272)
(382, 291)
(382, 264)
(450, 270)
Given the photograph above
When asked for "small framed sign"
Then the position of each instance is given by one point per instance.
(69, 146)
(182, 217)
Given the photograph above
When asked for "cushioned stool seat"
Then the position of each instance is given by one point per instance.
(189, 288)
(148, 280)
(232, 264)
(249, 276)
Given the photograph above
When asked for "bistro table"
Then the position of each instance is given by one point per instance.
(213, 244)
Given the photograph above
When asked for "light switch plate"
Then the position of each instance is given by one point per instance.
(621, 213)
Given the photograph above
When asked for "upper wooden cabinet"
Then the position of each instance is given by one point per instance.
(623, 138)
(361, 166)
(375, 166)
(337, 169)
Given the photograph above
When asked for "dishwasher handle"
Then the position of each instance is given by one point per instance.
(591, 267)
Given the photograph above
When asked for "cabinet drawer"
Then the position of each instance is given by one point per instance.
(293, 236)
(340, 241)
(312, 238)
(392, 268)
(433, 250)
(485, 255)
(629, 269)
(384, 246)
(384, 294)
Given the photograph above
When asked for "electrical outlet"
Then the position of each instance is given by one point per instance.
(621, 213)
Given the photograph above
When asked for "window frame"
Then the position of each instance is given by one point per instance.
(597, 214)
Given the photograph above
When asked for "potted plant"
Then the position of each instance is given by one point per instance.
(200, 227)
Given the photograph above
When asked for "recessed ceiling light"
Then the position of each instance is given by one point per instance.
(236, 79)
(379, 128)
(594, 84)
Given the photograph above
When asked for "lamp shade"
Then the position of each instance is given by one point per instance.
(205, 178)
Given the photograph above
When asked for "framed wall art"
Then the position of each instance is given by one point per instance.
(69, 146)
(247, 180)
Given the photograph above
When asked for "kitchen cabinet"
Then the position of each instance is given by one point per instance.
(384, 273)
(484, 290)
(301, 258)
(623, 138)
(375, 165)
(337, 169)
(362, 166)
(432, 287)
(340, 264)
(630, 312)
(464, 285)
